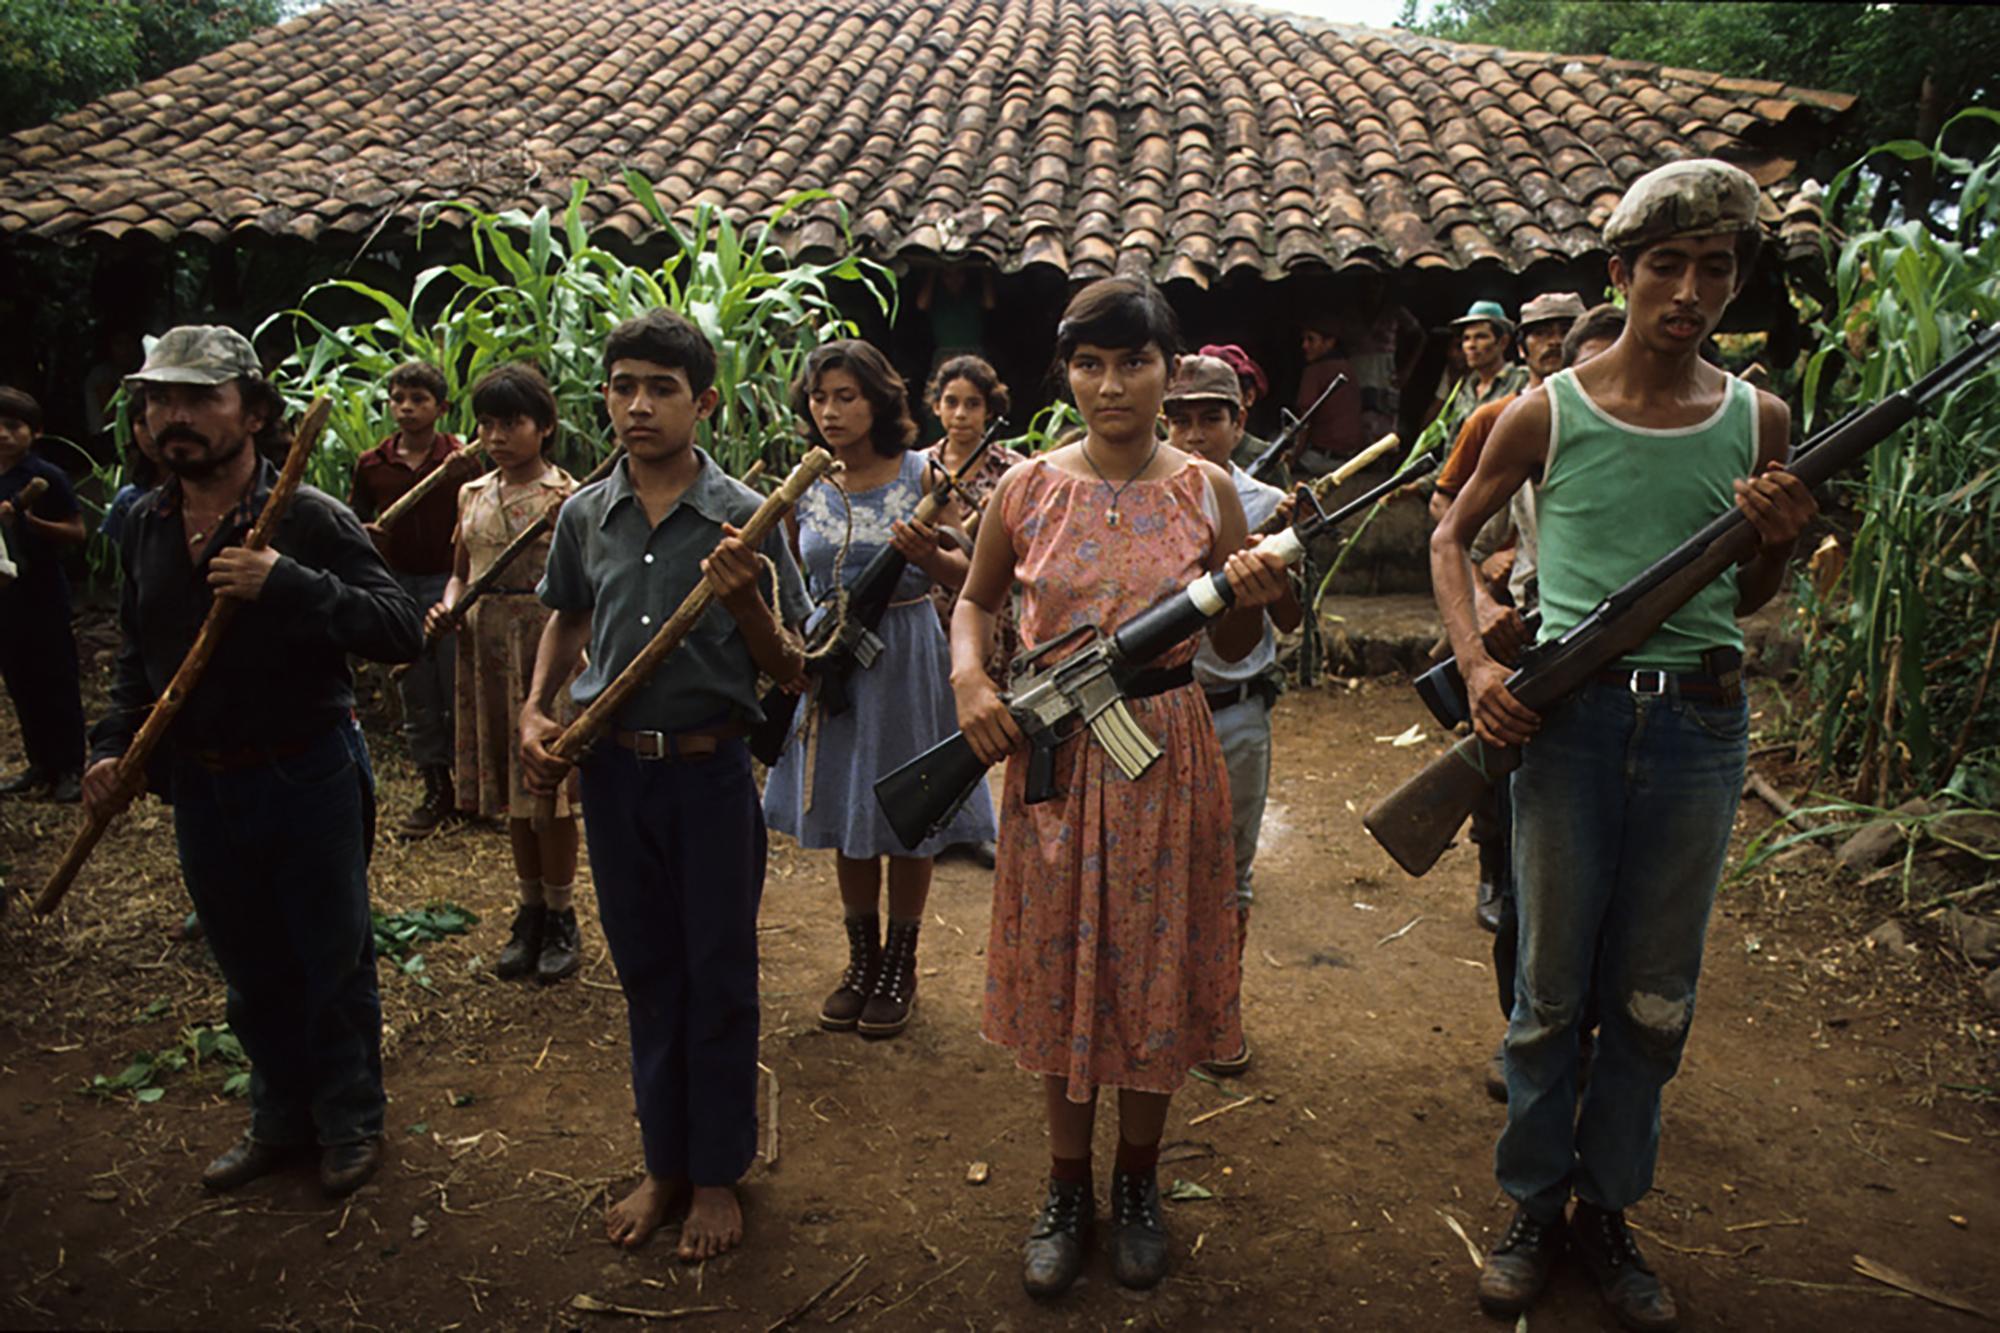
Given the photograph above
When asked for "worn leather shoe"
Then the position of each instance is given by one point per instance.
(1517, 1268)
(1138, 1232)
(246, 1161)
(1604, 1243)
(68, 789)
(29, 779)
(1496, 1072)
(524, 942)
(562, 950)
(346, 1167)
(1061, 1235)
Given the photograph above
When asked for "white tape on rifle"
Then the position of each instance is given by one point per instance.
(1285, 545)
(1207, 596)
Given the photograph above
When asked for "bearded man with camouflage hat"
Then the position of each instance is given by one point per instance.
(274, 804)
(1627, 790)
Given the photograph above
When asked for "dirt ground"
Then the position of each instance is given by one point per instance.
(1835, 1102)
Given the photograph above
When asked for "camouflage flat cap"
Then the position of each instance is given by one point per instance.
(1698, 197)
(1551, 306)
(1207, 378)
(197, 354)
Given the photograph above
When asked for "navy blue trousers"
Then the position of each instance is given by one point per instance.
(39, 665)
(677, 852)
(276, 860)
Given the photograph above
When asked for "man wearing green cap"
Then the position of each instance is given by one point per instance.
(1484, 332)
(267, 772)
(1627, 789)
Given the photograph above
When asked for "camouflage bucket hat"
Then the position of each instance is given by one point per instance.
(1698, 197)
(197, 354)
(1205, 378)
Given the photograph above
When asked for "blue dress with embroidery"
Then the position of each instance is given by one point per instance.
(900, 706)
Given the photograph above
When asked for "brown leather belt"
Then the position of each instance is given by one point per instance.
(676, 746)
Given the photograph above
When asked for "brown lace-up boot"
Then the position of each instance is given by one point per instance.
(894, 998)
(842, 1009)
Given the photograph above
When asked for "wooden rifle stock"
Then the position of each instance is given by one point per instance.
(132, 765)
(1417, 821)
(595, 719)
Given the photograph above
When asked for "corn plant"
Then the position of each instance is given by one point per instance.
(1900, 649)
(536, 289)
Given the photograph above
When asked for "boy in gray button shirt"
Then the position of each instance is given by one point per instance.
(670, 810)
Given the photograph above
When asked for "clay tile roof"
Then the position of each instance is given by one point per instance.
(1185, 140)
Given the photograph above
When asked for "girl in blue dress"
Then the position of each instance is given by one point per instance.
(821, 791)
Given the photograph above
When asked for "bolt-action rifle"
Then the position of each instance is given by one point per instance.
(1261, 466)
(1053, 701)
(841, 643)
(1417, 821)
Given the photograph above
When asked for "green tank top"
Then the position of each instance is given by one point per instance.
(1616, 497)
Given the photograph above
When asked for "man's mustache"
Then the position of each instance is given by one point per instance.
(172, 433)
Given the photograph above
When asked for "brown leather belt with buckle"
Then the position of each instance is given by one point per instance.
(676, 746)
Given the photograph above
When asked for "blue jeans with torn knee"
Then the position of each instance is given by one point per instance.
(1623, 806)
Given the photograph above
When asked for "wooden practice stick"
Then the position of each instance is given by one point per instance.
(595, 719)
(430, 481)
(132, 765)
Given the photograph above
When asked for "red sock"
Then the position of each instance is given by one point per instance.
(1070, 1170)
(1136, 1159)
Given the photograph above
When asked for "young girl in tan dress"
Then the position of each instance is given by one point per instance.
(516, 413)
(1112, 960)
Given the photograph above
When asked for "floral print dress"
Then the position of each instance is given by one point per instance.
(1112, 959)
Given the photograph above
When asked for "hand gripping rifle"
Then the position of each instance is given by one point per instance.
(132, 765)
(841, 643)
(1280, 447)
(1417, 821)
(23, 500)
(1087, 688)
(595, 719)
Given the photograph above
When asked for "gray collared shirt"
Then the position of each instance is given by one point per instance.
(631, 576)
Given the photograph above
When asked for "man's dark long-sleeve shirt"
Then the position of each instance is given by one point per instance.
(280, 673)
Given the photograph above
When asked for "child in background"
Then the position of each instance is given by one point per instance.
(37, 648)
(142, 468)
(516, 413)
(418, 551)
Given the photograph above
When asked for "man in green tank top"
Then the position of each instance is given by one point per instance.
(1627, 790)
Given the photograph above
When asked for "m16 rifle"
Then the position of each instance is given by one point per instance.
(1417, 821)
(1087, 688)
(841, 643)
(1262, 465)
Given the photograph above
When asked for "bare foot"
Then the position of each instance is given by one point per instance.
(714, 1223)
(632, 1220)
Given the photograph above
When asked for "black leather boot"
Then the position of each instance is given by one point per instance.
(1061, 1235)
(524, 942)
(894, 998)
(864, 958)
(1138, 1231)
(1517, 1268)
(561, 946)
(436, 804)
(1624, 1278)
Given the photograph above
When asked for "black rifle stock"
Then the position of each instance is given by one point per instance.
(1417, 821)
(1261, 465)
(868, 601)
(1088, 686)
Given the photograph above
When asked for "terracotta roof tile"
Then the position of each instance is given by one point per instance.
(1182, 140)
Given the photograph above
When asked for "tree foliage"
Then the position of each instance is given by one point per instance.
(55, 55)
(1913, 66)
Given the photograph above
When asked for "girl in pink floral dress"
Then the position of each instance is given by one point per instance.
(1112, 960)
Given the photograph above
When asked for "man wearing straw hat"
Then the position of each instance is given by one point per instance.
(1627, 789)
(274, 804)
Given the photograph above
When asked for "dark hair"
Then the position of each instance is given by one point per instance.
(21, 406)
(418, 375)
(892, 431)
(1118, 312)
(273, 439)
(1598, 322)
(981, 376)
(140, 470)
(666, 339)
(1748, 245)
(513, 391)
